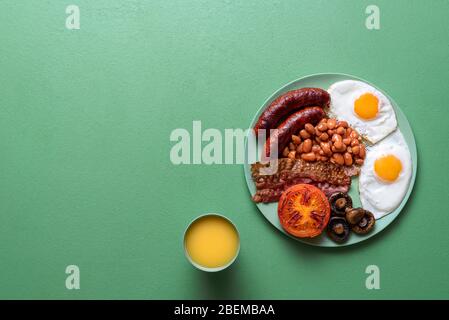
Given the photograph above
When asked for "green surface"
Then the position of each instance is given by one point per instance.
(325, 80)
(85, 119)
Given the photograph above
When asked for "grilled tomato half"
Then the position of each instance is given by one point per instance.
(304, 211)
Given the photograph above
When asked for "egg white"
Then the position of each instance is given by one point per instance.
(377, 196)
(345, 93)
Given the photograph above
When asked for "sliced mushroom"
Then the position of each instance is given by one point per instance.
(354, 215)
(366, 224)
(339, 202)
(338, 229)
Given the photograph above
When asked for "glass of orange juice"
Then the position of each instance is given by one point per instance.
(211, 242)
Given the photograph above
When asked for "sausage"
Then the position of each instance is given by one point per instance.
(292, 125)
(289, 102)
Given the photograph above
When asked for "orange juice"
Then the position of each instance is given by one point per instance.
(211, 242)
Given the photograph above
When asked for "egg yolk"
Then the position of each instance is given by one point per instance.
(388, 168)
(366, 106)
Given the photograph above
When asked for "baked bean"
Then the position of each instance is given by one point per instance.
(310, 128)
(331, 123)
(339, 146)
(317, 140)
(291, 146)
(354, 135)
(336, 137)
(285, 152)
(304, 134)
(362, 152)
(292, 154)
(326, 147)
(338, 158)
(322, 126)
(299, 149)
(348, 132)
(356, 149)
(354, 142)
(296, 140)
(359, 161)
(349, 149)
(324, 136)
(343, 124)
(330, 132)
(308, 156)
(347, 141)
(316, 148)
(341, 131)
(348, 159)
(307, 146)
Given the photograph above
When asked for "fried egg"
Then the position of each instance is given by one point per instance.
(365, 108)
(385, 175)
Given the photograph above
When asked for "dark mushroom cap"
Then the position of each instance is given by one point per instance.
(338, 229)
(339, 202)
(366, 224)
(354, 215)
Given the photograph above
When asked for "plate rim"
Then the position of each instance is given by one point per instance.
(413, 154)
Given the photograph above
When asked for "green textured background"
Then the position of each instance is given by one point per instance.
(85, 119)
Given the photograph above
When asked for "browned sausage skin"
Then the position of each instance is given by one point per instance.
(292, 125)
(288, 103)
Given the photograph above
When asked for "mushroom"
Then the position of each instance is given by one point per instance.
(339, 202)
(365, 224)
(338, 229)
(354, 215)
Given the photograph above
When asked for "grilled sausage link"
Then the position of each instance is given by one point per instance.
(288, 103)
(292, 125)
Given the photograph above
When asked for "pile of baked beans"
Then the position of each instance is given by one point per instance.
(330, 140)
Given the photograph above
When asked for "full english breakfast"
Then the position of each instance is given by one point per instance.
(324, 138)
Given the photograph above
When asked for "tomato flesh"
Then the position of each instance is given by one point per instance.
(304, 211)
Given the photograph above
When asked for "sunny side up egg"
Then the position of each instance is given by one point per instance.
(364, 107)
(385, 175)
